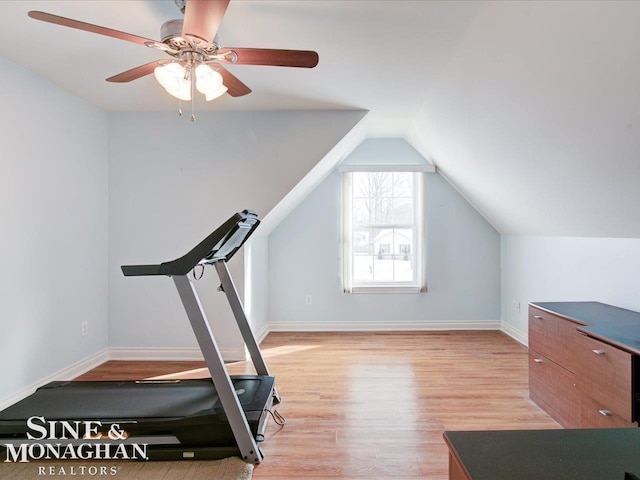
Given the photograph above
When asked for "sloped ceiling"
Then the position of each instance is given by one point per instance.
(530, 109)
(535, 118)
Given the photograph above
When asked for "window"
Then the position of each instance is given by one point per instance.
(382, 231)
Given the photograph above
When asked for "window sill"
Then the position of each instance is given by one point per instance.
(386, 289)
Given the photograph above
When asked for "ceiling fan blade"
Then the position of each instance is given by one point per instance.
(273, 57)
(202, 18)
(88, 27)
(137, 72)
(235, 87)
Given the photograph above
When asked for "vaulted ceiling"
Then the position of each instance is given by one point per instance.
(530, 109)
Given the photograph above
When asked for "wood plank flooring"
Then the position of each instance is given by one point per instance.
(375, 405)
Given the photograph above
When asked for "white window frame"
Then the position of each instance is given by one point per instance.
(419, 283)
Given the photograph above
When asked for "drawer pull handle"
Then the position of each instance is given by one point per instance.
(599, 352)
(537, 317)
(606, 413)
(537, 360)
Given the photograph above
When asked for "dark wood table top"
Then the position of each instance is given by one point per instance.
(614, 325)
(585, 454)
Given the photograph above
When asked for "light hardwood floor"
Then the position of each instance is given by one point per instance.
(375, 405)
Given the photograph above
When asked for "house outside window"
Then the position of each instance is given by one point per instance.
(383, 234)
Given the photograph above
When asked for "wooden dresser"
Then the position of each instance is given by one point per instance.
(584, 363)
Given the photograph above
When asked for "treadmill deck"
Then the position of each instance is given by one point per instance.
(188, 410)
(134, 400)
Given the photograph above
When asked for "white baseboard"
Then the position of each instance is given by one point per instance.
(407, 326)
(262, 333)
(517, 335)
(68, 373)
(172, 354)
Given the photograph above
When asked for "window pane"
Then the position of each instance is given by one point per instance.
(401, 211)
(382, 184)
(403, 268)
(403, 243)
(362, 268)
(383, 198)
(362, 243)
(383, 210)
(361, 211)
(403, 184)
(361, 184)
(383, 268)
(382, 241)
(372, 184)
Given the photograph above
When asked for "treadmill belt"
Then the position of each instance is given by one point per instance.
(135, 400)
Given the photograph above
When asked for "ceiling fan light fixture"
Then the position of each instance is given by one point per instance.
(209, 82)
(192, 41)
(172, 77)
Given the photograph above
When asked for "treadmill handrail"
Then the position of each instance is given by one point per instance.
(220, 245)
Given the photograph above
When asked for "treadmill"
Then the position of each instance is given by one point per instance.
(176, 419)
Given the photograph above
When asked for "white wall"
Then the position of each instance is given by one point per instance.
(256, 275)
(172, 182)
(53, 211)
(550, 269)
(463, 265)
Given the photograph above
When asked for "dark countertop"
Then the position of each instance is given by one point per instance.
(614, 325)
(586, 454)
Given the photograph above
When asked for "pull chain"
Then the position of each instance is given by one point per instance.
(193, 97)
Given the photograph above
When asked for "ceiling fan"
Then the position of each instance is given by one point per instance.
(197, 57)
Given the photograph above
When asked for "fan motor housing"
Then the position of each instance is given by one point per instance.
(171, 29)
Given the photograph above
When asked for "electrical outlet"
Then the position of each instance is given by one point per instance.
(308, 299)
(85, 328)
(515, 305)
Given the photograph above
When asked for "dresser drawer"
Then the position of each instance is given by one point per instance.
(604, 374)
(596, 415)
(552, 387)
(554, 337)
